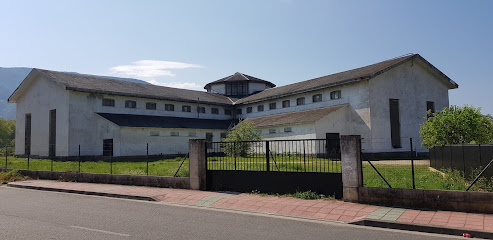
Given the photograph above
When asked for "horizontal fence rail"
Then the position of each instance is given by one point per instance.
(304, 155)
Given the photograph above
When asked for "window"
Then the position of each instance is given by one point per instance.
(192, 134)
(151, 106)
(335, 94)
(108, 102)
(249, 109)
(238, 111)
(300, 101)
(186, 108)
(260, 108)
(237, 89)
(272, 105)
(395, 125)
(430, 106)
(285, 103)
(287, 130)
(317, 98)
(272, 131)
(27, 135)
(169, 107)
(52, 133)
(227, 111)
(223, 135)
(154, 134)
(174, 134)
(201, 109)
(215, 110)
(130, 104)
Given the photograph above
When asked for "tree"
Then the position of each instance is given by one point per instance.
(457, 125)
(7, 132)
(244, 131)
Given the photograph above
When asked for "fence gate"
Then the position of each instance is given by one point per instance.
(279, 166)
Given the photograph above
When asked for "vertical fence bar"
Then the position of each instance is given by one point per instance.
(6, 157)
(28, 158)
(147, 159)
(78, 158)
(267, 153)
(412, 162)
(111, 164)
(51, 167)
(234, 153)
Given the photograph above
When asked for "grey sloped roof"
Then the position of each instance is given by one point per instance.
(105, 85)
(240, 77)
(350, 76)
(308, 116)
(131, 120)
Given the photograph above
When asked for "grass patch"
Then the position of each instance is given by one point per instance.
(12, 176)
(308, 195)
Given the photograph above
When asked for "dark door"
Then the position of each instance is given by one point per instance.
(333, 142)
(52, 133)
(27, 135)
(108, 147)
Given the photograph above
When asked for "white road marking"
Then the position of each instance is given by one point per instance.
(101, 231)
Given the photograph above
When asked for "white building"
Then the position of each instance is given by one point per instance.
(385, 103)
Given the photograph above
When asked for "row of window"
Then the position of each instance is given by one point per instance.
(188, 134)
(285, 130)
(299, 101)
(108, 102)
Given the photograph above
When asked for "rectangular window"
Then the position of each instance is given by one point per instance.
(107, 102)
(285, 103)
(201, 109)
(272, 131)
(215, 110)
(237, 89)
(249, 109)
(208, 139)
(272, 106)
(174, 134)
(130, 104)
(154, 134)
(335, 94)
(27, 135)
(107, 147)
(151, 106)
(317, 98)
(395, 125)
(238, 111)
(227, 111)
(300, 101)
(192, 134)
(169, 107)
(430, 106)
(260, 108)
(52, 133)
(186, 108)
(287, 130)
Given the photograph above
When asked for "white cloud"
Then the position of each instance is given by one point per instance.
(184, 85)
(150, 69)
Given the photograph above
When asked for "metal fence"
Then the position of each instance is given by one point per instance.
(151, 165)
(467, 158)
(305, 155)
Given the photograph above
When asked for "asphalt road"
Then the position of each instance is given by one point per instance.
(32, 214)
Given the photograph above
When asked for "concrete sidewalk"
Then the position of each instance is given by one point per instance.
(446, 222)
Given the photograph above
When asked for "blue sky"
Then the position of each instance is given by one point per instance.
(190, 43)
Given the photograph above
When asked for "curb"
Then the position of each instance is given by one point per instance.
(102, 194)
(423, 228)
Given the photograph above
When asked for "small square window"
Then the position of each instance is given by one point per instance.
(260, 108)
(272, 131)
(107, 102)
(130, 104)
(287, 130)
(201, 109)
(335, 94)
(300, 101)
(285, 103)
(238, 111)
(317, 98)
(249, 109)
(215, 110)
(169, 107)
(227, 111)
(151, 106)
(186, 108)
(154, 134)
(272, 105)
(174, 134)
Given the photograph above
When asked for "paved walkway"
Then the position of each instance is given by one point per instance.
(331, 210)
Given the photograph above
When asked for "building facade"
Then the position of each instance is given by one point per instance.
(385, 103)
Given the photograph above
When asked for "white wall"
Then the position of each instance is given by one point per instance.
(413, 86)
(41, 97)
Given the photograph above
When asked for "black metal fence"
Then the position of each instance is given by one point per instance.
(305, 155)
(468, 159)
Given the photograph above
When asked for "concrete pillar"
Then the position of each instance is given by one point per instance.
(197, 164)
(351, 167)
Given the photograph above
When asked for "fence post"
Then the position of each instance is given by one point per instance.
(147, 159)
(351, 167)
(267, 156)
(412, 162)
(28, 157)
(51, 169)
(197, 164)
(234, 153)
(78, 158)
(111, 164)
(6, 157)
